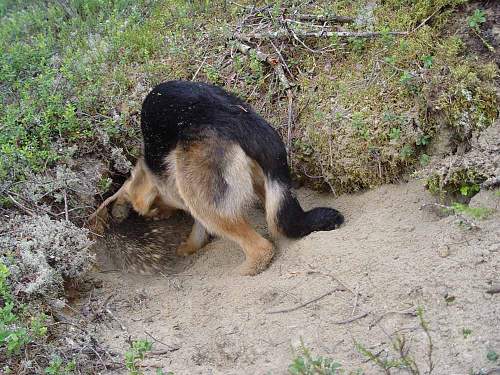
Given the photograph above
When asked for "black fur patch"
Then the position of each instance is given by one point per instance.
(295, 223)
(182, 112)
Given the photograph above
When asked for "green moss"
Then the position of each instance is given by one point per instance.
(465, 183)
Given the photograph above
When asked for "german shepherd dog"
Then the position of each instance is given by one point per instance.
(209, 153)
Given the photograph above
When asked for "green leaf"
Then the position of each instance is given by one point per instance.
(492, 356)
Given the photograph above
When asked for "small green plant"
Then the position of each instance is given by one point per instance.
(424, 159)
(423, 140)
(136, 354)
(405, 78)
(159, 371)
(428, 60)
(474, 212)
(358, 123)
(305, 364)
(104, 184)
(468, 190)
(477, 19)
(57, 367)
(212, 74)
(406, 152)
(357, 44)
(395, 134)
(400, 357)
(492, 356)
(466, 332)
(14, 332)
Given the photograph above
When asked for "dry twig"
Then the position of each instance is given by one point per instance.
(323, 18)
(269, 59)
(357, 317)
(305, 303)
(283, 33)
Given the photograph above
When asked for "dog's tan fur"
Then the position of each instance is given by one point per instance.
(189, 183)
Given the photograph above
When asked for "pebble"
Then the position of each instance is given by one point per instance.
(444, 251)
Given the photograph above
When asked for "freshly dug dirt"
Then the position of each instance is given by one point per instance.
(390, 257)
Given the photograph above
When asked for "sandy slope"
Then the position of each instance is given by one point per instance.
(390, 255)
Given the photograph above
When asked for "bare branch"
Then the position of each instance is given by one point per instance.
(282, 33)
(269, 59)
(323, 18)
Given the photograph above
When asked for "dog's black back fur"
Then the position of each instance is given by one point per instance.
(177, 113)
(190, 111)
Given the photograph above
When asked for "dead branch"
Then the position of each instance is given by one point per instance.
(269, 59)
(411, 311)
(494, 289)
(199, 68)
(171, 348)
(66, 212)
(19, 205)
(283, 33)
(305, 303)
(357, 317)
(323, 18)
(289, 126)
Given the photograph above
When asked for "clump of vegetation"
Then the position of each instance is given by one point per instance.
(50, 252)
(473, 212)
(463, 175)
(135, 354)
(371, 122)
(15, 331)
(401, 357)
(475, 21)
(37, 256)
(305, 363)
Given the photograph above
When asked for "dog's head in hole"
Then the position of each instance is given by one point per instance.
(141, 193)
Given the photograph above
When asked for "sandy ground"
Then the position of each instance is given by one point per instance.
(390, 257)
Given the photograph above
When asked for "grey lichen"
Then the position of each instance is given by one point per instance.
(42, 253)
(120, 162)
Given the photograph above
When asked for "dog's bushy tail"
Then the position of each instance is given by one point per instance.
(285, 215)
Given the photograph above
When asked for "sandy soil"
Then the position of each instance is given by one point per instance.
(390, 257)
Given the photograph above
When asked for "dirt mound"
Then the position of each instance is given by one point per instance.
(372, 274)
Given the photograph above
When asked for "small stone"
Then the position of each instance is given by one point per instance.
(443, 251)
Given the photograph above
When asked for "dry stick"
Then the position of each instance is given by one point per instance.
(332, 277)
(263, 57)
(427, 19)
(199, 68)
(360, 316)
(494, 289)
(281, 58)
(323, 18)
(19, 205)
(305, 303)
(66, 213)
(110, 313)
(355, 301)
(289, 127)
(171, 348)
(294, 34)
(410, 311)
(283, 33)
